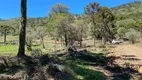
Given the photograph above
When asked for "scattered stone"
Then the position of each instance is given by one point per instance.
(140, 70)
(18, 76)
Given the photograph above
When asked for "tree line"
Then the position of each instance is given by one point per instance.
(97, 21)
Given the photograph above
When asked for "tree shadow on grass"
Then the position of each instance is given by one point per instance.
(87, 74)
(11, 70)
(121, 73)
(78, 62)
(92, 59)
(89, 58)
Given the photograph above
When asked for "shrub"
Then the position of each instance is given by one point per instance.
(131, 35)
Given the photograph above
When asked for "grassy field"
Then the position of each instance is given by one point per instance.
(50, 46)
(8, 49)
(80, 65)
(12, 49)
(140, 43)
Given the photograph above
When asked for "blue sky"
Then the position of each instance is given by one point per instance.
(40, 8)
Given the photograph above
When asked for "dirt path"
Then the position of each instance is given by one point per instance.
(129, 54)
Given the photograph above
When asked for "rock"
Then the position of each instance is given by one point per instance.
(18, 76)
(109, 55)
(38, 75)
(3, 63)
(2, 66)
(140, 70)
(59, 71)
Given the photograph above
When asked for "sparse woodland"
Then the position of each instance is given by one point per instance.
(68, 46)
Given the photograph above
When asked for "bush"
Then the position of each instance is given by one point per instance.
(131, 35)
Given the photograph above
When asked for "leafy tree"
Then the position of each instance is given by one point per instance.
(41, 32)
(121, 32)
(58, 22)
(6, 29)
(131, 35)
(91, 10)
(31, 34)
(23, 21)
(64, 27)
(137, 25)
(105, 20)
(82, 28)
(58, 8)
(37, 30)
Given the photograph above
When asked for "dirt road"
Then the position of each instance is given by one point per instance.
(129, 54)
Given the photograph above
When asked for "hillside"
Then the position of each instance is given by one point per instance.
(128, 13)
(15, 21)
(125, 13)
(128, 9)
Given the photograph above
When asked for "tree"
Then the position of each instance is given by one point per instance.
(57, 9)
(81, 29)
(131, 35)
(5, 29)
(41, 32)
(59, 21)
(37, 30)
(91, 10)
(23, 21)
(121, 32)
(105, 20)
(63, 27)
(137, 25)
(31, 34)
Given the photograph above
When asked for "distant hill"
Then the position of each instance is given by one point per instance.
(129, 10)
(15, 21)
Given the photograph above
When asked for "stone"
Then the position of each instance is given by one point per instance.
(140, 70)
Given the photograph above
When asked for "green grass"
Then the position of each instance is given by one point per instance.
(11, 49)
(9, 38)
(87, 73)
(139, 44)
(8, 49)
(12, 37)
(82, 65)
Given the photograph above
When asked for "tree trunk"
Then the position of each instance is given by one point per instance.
(133, 41)
(80, 42)
(94, 30)
(42, 40)
(103, 41)
(5, 37)
(141, 33)
(61, 42)
(71, 42)
(94, 41)
(66, 40)
(29, 47)
(81, 37)
(23, 21)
